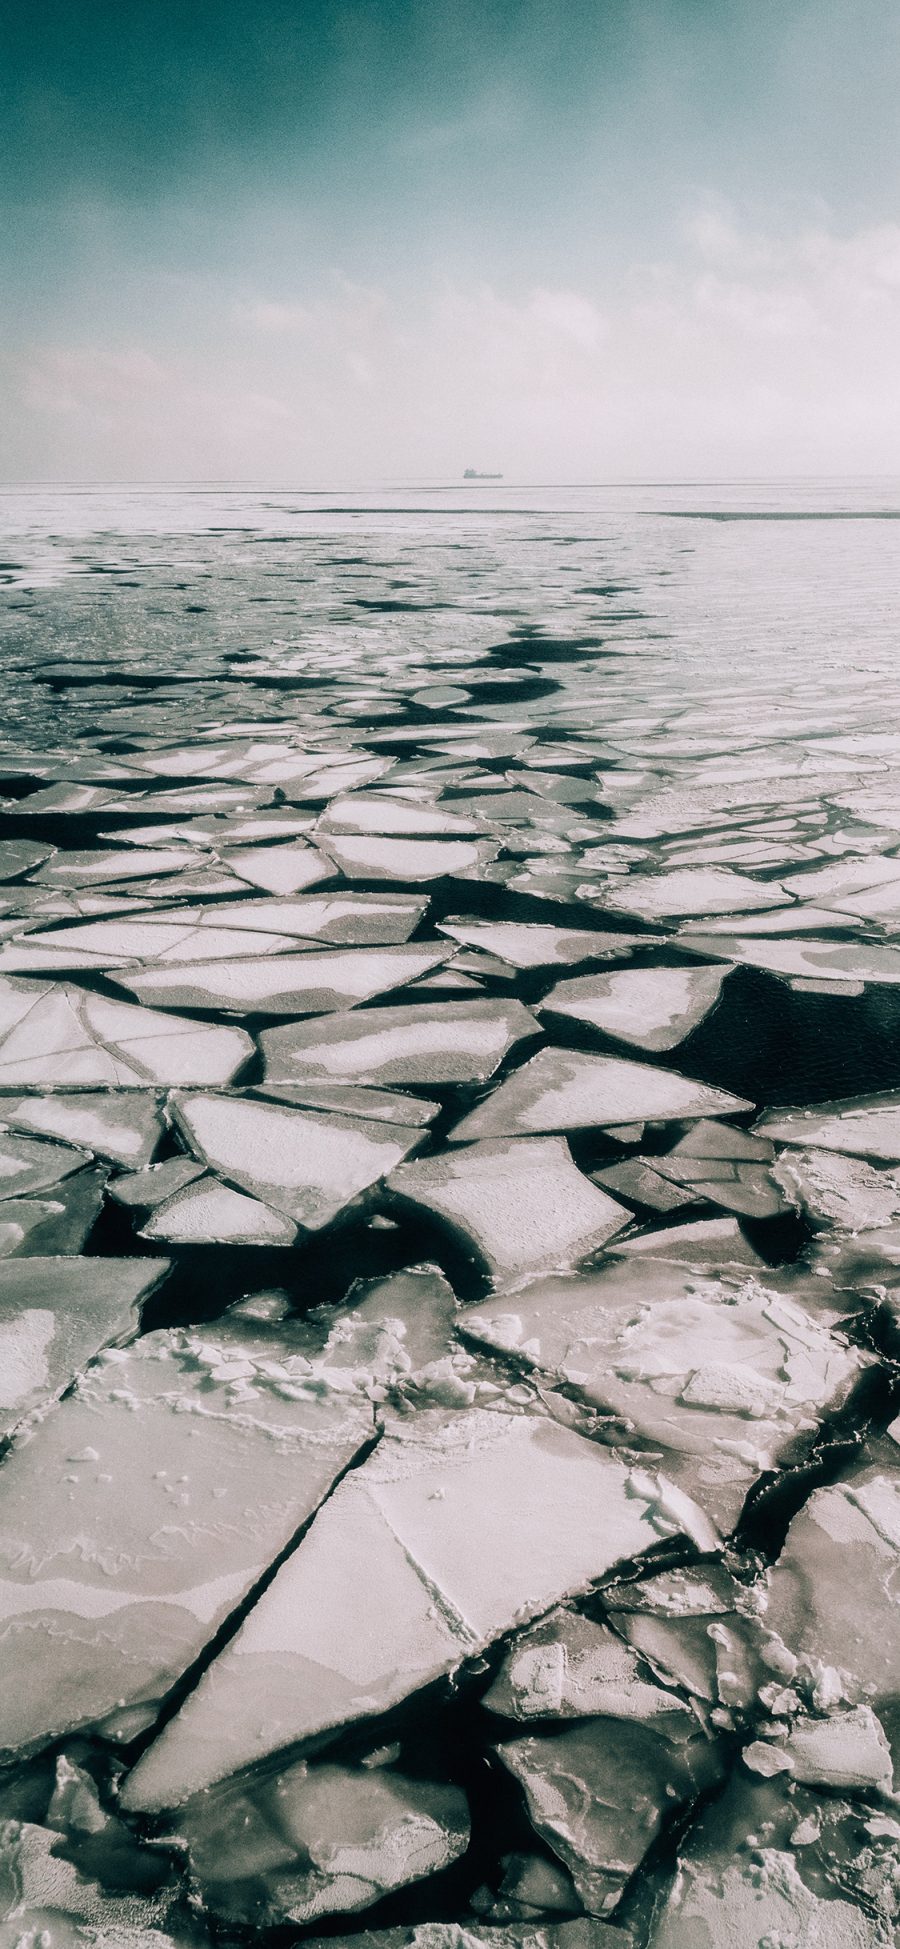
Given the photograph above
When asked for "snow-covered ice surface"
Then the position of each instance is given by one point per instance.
(450, 1219)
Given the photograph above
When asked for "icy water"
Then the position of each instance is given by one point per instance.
(450, 1216)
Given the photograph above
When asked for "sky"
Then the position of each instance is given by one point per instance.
(321, 242)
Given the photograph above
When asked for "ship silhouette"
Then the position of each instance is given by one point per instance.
(472, 473)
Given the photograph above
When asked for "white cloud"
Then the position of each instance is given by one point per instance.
(743, 351)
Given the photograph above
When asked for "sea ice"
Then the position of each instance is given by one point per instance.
(318, 1840)
(303, 1164)
(653, 1008)
(522, 1204)
(562, 1089)
(312, 983)
(182, 1465)
(458, 1527)
(450, 1042)
(56, 1314)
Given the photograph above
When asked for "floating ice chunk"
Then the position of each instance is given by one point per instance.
(653, 1008)
(347, 1099)
(522, 1204)
(319, 1840)
(692, 890)
(56, 1036)
(785, 920)
(838, 1190)
(21, 856)
(847, 1751)
(148, 1188)
(568, 1667)
(363, 857)
(454, 1042)
(132, 863)
(585, 1933)
(726, 1372)
(47, 1900)
(845, 876)
(57, 1223)
(858, 1127)
(181, 1468)
(600, 1792)
(822, 960)
(716, 1140)
(530, 944)
(107, 944)
(696, 1628)
(562, 1089)
(348, 919)
(713, 1241)
(763, 1899)
(736, 1185)
(312, 983)
(26, 1166)
(124, 1127)
(638, 1182)
(55, 1314)
(207, 1212)
(834, 1593)
(305, 1165)
(458, 1528)
(278, 869)
(382, 814)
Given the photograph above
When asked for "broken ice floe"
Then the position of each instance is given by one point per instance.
(55, 1315)
(313, 1841)
(523, 1205)
(466, 1525)
(310, 983)
(653, 1008)
(723, 1374)
(431, 1044)
(304, 1164)
(52, 1036)
(182, 1465)
(562, 1089)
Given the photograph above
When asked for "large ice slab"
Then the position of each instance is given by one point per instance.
(433, 1043)
(562, 1089)
(523, 1204)
(311, 983)
(722, 1372)
(457, 1528)
(55, 1314)
(160, 1490)
(834, 1593)
(813, 960)
(302, 1163)
(653, 1008)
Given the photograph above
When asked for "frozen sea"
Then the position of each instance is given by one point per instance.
(450, 1215)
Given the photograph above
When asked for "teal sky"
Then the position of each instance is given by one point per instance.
(295, 240)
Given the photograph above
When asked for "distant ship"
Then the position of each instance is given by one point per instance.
(472, 473)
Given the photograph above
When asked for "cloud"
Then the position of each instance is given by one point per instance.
(745, 349)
